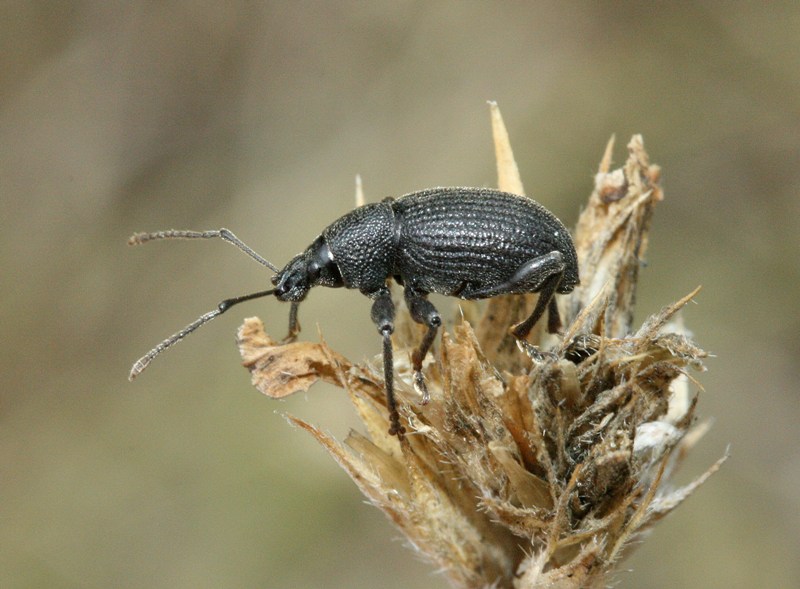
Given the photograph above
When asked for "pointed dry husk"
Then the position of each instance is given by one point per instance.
(518, 473)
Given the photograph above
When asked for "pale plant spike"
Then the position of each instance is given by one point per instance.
(605, 162)
(223, 234)
(144, 361)
(360, 199)
(508, 178)
(664, 504)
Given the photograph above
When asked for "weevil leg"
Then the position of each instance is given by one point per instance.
(543, 275)
(553, 316)
(422, 311)
(294, 324)
(546, 292)
(383, 317)
(546, 299)
(529, 277)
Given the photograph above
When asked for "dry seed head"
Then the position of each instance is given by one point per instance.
(522, 474)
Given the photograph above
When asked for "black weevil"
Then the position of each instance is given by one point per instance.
(472, 243)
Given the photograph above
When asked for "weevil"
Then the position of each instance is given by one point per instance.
(471, 243)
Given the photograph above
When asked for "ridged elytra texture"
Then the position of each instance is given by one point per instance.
(453, 241)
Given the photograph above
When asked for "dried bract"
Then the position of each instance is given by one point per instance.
(519, 473)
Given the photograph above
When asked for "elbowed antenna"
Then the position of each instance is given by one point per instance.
(224, 234)
(145, 360)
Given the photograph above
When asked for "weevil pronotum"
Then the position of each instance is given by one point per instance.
(472, 243)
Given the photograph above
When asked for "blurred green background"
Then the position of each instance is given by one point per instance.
(118, 117)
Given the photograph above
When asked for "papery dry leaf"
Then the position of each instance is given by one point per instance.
(279, 370)
(517, 473)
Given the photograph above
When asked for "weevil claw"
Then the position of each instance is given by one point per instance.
(421, 387)
(534, 353)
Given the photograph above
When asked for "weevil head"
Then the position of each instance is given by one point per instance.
(313, 267)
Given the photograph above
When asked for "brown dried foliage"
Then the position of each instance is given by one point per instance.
(519, 473)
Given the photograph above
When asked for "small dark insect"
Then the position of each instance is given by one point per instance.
(472, 243)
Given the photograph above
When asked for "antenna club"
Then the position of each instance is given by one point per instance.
(138, 238)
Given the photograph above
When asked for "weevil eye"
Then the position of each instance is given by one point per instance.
(274, 279)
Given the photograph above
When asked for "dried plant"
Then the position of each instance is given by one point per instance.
(524, 473)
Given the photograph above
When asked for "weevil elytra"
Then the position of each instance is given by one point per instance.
(471, 243)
